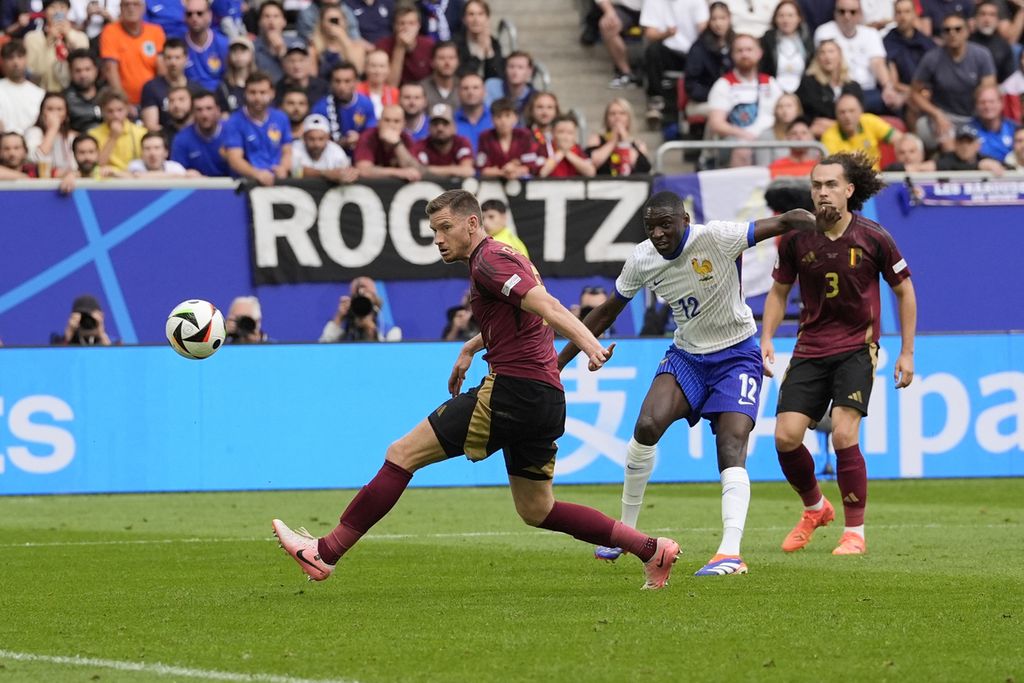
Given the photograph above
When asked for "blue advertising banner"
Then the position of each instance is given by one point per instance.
(309, 416)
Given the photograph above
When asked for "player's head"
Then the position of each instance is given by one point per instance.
(456, 221)
(665, 221)
(844, 181)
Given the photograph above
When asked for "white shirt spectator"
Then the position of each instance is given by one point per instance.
(633, 5)
(138, 167)
(333, 157)
(60, 157)
(749, 104)
(80, 11)
(19, 105)
(752, 17)
(858, 51)
(876, 11)
(684, 15)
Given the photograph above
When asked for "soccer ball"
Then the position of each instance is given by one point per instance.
(195, 329)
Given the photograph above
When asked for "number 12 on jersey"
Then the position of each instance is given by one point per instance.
(690, 306)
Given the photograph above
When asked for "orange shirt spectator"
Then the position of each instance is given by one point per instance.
(130, 48)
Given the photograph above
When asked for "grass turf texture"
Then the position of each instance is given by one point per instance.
(452, 587)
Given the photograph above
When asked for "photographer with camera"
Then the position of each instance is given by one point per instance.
(85, 324)
(356, 318)
(243, 322)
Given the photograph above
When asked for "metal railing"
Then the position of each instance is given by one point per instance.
(508, 37)
(667, 147)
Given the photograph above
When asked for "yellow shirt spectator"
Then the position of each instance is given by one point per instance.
(508, 237)
(871, 132)
(127, 146)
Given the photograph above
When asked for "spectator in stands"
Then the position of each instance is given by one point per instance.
(87, 157)
(945, 81)
(83, 109)
(198, 147)
(568, 159)
(315, 155)
(357, 315)
(787, 46)
(270, 44)
(590, 298)
(966, 154)
(670, 28)
(616, 152)
(49, 141)
(905, 45)
(207, 49)
(742, 102)
(986, 34)
(934, 12)
(506, 151)
(155, 91)
(85, 324)
(241, 64)
(479, 49)
(334, 42)
(826, 76)
(387, 151)
(296, 69)
(800, 160)
(709, 57)
(460, 326)
(614, 19)
(258, 137)
(864, 53)
(910, 156)
(472, 118)
(495, 222)
(47, 50)
(441, 86)
(855, 131)
(1011, 23)
(752, 17)
(19, 97)
(817, 12)
(516, 85)
(374, 17)
(376, 86)
(90, 16)
(244, 321)
(441, 19)
(444, 152)
(18, 17)
(348, 112)
(1016, 157)
(787, 110)
(228, 17)
(410, 52)
(295, 105)
(154, 162)
(540, 115)
(994, 130)
(130, 50)
(170, 16)
(309, 17)
(878, 14)
(14, 163)
(179, 112)
(413, 100)
(119, 138)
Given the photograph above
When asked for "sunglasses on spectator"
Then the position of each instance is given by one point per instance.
(954, 29)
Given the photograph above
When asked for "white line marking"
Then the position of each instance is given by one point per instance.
(466, 534)
(159, 669)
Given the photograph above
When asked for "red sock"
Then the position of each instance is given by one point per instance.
(591, 526)
(852, 476)
(368, 507)
(798, 466)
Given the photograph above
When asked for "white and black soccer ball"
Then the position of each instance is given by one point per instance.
(195, 329)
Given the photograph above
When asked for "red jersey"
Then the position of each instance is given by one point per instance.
(839, 284)
(522, 147)
(432, 156)
(519, 344)
(565, 169)
(416, 65)
(371, 149)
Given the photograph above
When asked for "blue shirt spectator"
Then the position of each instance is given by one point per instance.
(195, 151)
(168, 15)
(207, 63)
(261, 141)
(374, 18)
(354, 114)
(469, 130)
(905, 50)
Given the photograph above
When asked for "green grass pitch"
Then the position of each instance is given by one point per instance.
(452, 587)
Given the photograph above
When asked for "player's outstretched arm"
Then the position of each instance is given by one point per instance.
(462, 363)
(597, 321)
(906, 301)
(794, 219)
(562, 321)
(774, 311)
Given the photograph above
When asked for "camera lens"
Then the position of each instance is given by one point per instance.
(361, 306)
(245, 324)
(86, 321)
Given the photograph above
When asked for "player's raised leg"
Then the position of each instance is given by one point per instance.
(317, 557)
(798, 466)
(536, 504)
(852, 477)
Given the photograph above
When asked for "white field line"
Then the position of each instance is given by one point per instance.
(465, 534)
(157, 669)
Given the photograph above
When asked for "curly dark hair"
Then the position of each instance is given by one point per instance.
(859, 171)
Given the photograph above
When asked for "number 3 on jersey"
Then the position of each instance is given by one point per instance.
(691, 307)
(832, 281)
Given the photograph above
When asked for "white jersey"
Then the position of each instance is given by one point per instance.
(701, 283)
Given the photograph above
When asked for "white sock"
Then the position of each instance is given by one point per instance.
(859, 530)
(735, 501)
(817, 506)
(639, 465)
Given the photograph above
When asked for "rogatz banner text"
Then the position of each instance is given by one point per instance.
(310, 231)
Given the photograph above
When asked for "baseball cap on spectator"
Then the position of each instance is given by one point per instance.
(86, 303)
(242, 40)
(966, 132)
(316, 122)
(442, 111)
(297, 45)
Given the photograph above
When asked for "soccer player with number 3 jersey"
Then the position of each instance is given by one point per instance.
(713, 367)
(837, 345)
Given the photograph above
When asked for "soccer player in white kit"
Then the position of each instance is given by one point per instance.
(713, 367)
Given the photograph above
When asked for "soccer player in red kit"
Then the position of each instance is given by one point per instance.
(837, 344)
(519, 407)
